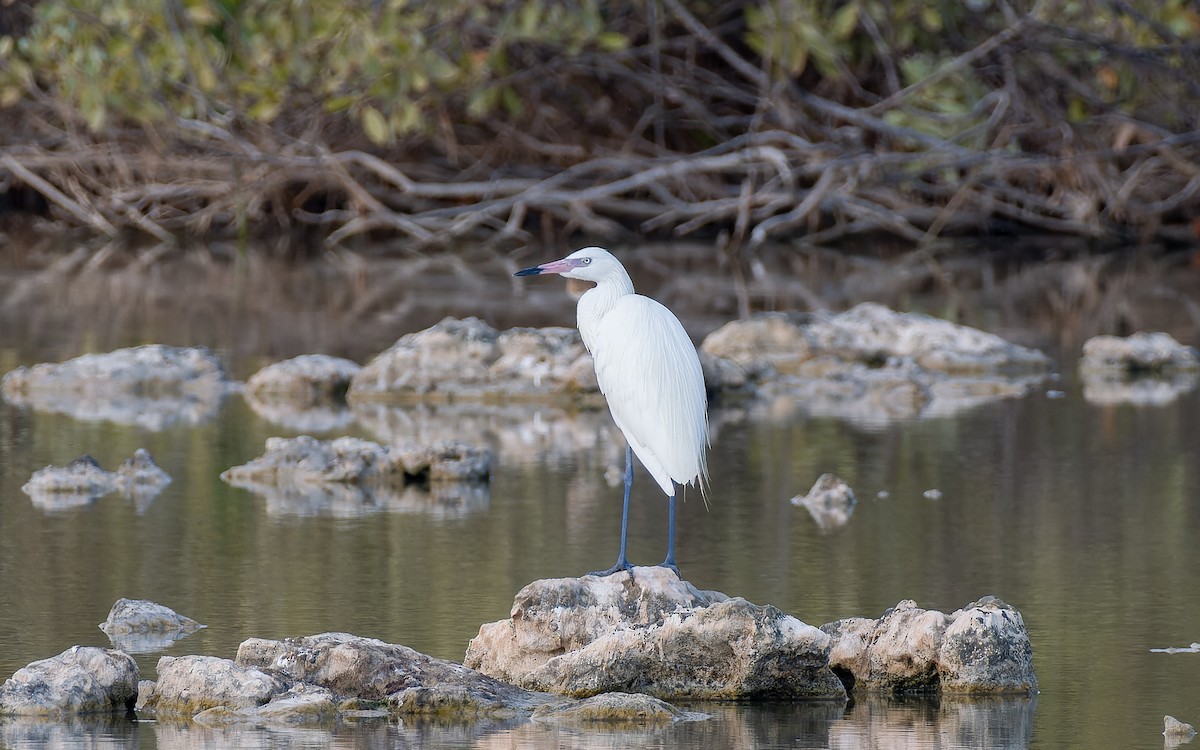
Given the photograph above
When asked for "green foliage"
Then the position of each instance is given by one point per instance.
(390, 67)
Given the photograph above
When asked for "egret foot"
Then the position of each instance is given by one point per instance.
(671, 566)
(621, 564)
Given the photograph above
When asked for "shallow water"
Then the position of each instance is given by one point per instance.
(1082, 515)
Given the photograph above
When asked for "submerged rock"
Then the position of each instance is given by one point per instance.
(649, 632)
(140, 626)
(80, 680)
(830, 502)
(1176, 730)
(982, 648)
(150, 386)
(614, 709)
(83, 480)
(307, 379)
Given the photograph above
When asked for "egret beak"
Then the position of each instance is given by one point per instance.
(554, 266)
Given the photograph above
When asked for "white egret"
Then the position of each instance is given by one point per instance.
(650, 375)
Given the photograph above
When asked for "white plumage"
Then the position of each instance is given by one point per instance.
(648, 371)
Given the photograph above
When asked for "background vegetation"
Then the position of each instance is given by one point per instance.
(814, 119)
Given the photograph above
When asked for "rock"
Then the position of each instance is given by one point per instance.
(307, 379)
(139, 626)
(980, 649)
(83, 480)
(301, 704)
(449, 358)
(1176, 730)
(830, 502)
(614, 708)
(652, 633)
(306, 461)
(188, 685)
(80, 680)
(1140, 353)
(150, 386)
(411, 682)
(543, 360)
(871, 365)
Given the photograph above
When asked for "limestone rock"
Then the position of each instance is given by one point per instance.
(448, 358)
(370, 669)
(543, 360)
(150, 386)
(1139, 353)
(614, 708)
(80, 680)
(306, 461)
(830, 502)
(83, 480)
(301, 704)
(1176, 730)
(142, 626)
(769, 342)
(188, 685)
(307, 379)
(652, 633)
(982, 648)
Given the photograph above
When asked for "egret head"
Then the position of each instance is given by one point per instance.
(589, 264)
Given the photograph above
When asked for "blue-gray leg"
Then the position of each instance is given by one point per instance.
(669, 562)
(622, 561)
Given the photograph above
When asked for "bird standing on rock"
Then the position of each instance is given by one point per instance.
(649, 373)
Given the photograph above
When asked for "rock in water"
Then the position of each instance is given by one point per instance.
(1176, 730)
(188, 685)
(830, 502)
(80, 680)
(307, 379)
(981, 649)
(1138, 354)
(646, 631)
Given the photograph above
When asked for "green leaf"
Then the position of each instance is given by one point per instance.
(844, 22)
(375, 125)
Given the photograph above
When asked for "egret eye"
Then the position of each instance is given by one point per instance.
(587, 261)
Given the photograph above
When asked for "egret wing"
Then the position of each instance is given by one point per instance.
(650, 375)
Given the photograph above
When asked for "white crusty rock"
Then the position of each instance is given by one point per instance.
(305, 462)
(830, 502)
(307, 379)
(83, 480)
(646, 631)
(980, 649)
(151, 386)
(1177, 731)
(188, 685)
(80, 680)
(1139, 353)
(141, 626)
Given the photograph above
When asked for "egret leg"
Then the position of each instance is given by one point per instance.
(669, 562)
(622, 561)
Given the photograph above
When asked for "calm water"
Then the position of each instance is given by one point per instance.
(1083, 516)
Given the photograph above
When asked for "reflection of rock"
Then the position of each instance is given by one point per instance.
(149, 386)
(1138, 354)
(307, 379)
(1149, 369)
(1002, 723)
(107, 730)
(830, 502)
(300, 417)
(872, 365)
(980, 649)
(139, 626)
(80, 680)
(350, 477)
(83, 480)
(648, 631)
(469, 359)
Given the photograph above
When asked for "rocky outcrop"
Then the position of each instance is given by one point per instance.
(647, 631)
(307, 379)
(870, 364)
(83, 480)
(80, 680)
(980, 649)
(830, 502)
(151, 386)
(1148, 369)
(139, 626)
(188, 685)
(468, 359)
